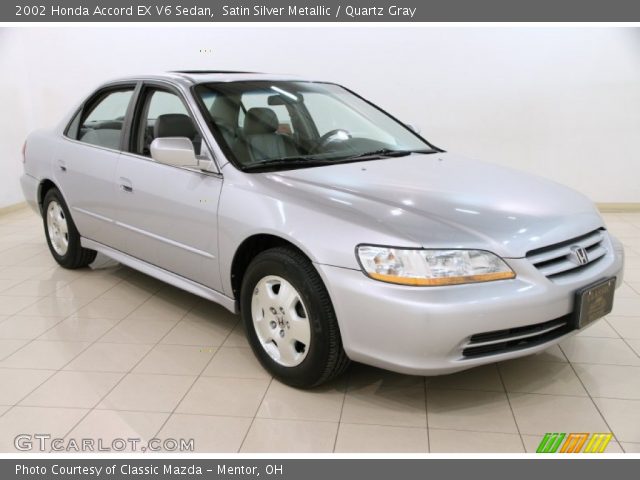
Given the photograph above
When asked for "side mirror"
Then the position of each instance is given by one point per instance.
(412, 127)
(176, 151)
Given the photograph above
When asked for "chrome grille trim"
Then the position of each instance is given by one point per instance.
(519, 337)
(555, 260)
(504, 341)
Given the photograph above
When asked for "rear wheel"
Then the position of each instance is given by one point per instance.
(62, 235)
(289, 318)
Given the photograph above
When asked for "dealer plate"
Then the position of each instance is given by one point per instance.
(594, 302)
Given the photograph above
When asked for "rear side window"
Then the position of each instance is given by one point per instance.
(102, 124)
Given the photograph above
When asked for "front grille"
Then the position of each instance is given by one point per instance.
(511, 339)
(556, 260)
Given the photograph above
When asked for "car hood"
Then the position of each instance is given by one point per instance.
(446, 201)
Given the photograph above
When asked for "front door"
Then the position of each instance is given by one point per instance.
(169, 213)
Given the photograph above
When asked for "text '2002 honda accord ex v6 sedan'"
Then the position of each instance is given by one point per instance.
(337, 232)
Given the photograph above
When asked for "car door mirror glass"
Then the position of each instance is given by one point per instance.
(177, 151)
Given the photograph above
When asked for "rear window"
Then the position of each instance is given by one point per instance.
(102, 124)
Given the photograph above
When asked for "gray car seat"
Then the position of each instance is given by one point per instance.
(261, 139)
(224, 113)
(104, 134)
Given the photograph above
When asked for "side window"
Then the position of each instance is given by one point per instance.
(72, 128)
(162, 103)
(261, 100)
(164, 114)
(102, 124)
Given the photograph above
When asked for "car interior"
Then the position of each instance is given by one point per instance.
(102, 133)
(163, 114)
(261, 137)
(102, 123)
(256, 133)
(255, 127)
(260, 126)
(170, 125)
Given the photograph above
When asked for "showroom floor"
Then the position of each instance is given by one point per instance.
(112, 353)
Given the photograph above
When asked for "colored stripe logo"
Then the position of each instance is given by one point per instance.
(574, 443)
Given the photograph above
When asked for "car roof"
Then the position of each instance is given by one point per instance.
(191, 77)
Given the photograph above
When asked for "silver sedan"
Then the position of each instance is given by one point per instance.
(336, 231)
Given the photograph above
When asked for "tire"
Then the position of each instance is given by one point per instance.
(62, 235)
(291, 361)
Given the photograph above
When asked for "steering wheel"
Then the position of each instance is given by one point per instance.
(328, 137)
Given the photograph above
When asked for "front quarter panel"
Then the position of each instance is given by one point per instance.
(325, 228)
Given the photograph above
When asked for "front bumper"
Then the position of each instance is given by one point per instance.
(424, 330)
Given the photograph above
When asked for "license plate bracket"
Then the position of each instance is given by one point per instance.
(594, 302)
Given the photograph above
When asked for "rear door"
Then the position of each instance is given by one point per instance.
(168, 213)
(85, 164)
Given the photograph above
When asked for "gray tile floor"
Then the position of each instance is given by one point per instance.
(110, 353)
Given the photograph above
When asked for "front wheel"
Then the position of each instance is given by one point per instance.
(289, 318)
(62, 235)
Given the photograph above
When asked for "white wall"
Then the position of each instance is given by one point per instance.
(562, 102)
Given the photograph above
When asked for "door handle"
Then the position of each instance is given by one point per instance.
(125, 185)
(62, 166)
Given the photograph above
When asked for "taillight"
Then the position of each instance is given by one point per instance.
(24, 152)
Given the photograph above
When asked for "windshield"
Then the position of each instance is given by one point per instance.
(298, 124)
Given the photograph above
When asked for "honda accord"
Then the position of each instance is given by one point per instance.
(336, 231)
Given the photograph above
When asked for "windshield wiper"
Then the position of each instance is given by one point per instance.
(288, 162)
(386, 152)
(318, 161)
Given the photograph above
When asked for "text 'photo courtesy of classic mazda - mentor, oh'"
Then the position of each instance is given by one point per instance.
(336, 231)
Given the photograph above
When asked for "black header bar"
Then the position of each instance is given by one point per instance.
(104, 11)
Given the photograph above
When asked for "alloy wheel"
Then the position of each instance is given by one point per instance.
(57, 228)
(280, 320)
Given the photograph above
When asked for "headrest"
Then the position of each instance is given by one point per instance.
(174, 125)
(109, 125)
(225, 110)
(260, 120)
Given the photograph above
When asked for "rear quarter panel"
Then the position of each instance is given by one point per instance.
(40, 152)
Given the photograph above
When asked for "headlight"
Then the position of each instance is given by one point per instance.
(431, 267)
